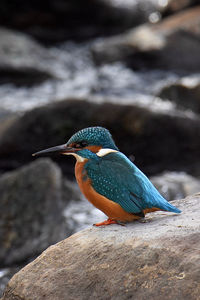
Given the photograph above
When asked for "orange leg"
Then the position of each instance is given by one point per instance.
(107, 222)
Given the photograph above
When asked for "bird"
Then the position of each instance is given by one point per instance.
(108, 179)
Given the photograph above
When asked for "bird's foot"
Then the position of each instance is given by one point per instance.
(142, 220)
(108, 222)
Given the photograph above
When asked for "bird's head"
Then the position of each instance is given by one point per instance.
(85, 143)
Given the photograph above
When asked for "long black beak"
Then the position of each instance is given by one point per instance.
(62, 149)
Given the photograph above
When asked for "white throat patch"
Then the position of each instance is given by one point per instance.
(103, 152)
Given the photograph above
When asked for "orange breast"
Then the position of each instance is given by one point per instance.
(111, 209)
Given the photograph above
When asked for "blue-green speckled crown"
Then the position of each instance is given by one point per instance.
(98, 136)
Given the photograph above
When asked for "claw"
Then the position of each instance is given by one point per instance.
(108, 222)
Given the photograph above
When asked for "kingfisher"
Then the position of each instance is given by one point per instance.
(108, 179)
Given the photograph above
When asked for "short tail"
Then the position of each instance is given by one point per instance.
(169, 207)
(157, 200)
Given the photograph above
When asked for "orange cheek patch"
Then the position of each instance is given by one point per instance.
(94, 149)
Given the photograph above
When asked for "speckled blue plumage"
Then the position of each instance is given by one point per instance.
(117, 178)
(110, 173)
(98, 136)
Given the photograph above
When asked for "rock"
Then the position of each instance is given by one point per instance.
(174, 185)
(137, 130)
(5, 275)
(164, 45)
(174, 5)
(57, 20)
(22, 60)
(158, 259)
(23, 77)
(185, 93)
(6, 119)
(187, 20)
(31, 211)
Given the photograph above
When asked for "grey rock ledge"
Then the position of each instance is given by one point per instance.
(158, 259)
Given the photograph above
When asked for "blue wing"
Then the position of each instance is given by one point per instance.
(117, 178)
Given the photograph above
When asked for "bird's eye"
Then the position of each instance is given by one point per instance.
(81, 144)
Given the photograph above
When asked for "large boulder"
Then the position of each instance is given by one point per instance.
(22, 60)
(158, 259)
(185, 93)
(159, 140)
(31, 211)
(164, 45)
(56, 21)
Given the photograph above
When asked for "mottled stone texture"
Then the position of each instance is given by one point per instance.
(31, 211)
(158, 259)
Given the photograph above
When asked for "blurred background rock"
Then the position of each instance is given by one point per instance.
(131, 66)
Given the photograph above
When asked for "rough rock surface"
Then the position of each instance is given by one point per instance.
(6, 274)
(158, 259)
(31, 211)
(137, 131)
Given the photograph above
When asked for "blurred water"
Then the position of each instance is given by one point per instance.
(76, 75)
(82, 214)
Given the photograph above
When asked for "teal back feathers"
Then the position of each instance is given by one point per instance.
(114, 176)
(117, 178)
